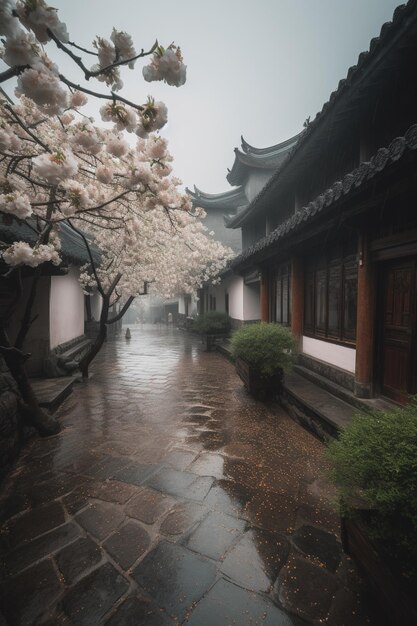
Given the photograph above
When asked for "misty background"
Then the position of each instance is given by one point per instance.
(256, 69)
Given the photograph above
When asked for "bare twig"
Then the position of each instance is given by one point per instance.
(103, 70)
(122, 311)
(72, 43)
(113, 97)
(26, 129)
(90, 256)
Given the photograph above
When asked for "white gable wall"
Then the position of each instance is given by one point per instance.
(251, 302)
(66, 308)
(235, 290)
(181, 304)
(256, 181)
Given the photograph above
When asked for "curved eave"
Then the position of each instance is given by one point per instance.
(260, 159)
(404, 23)
(229, 200)
(270, 150)
(231, 217)
(368, 171)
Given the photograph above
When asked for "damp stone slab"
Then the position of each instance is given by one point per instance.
(175, 577)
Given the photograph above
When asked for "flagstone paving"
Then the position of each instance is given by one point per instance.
(172, 497)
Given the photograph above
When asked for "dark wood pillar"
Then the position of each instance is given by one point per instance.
(297, 298)
(365, 330)
(264, 296)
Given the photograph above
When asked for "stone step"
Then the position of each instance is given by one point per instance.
(319, 410)
(51, 392)
(315, 407)
(361, 404)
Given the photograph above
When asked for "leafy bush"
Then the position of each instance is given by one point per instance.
(212, 323)
(268, 348)
(375, 460)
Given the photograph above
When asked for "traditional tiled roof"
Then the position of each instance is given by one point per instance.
(73, 249)
(227, 201)
(403, 15)
(367, 170)
(249, 157)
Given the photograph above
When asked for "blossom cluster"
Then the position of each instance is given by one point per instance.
(16, 203)
(27, 25)
(167, 65)
(57, 164)
(125, 197)
(21, 253)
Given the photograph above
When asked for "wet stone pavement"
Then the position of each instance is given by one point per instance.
(172, 497)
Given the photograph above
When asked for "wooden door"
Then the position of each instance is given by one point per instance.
(398, 330)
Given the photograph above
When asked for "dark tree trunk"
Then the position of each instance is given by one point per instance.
(102, 333)
(45, 424)
(98, 341)
(15, 359)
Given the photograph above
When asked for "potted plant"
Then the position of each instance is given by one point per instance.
(374, 465)
(212, 326)
(263, 354)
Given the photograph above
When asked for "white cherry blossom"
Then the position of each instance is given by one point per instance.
(167, 65)
(56, 167)
(44, 88)
(39, 17)
(16, 203)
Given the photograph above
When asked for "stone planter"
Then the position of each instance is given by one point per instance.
(392, 595)
(257, 385)
(211, 340)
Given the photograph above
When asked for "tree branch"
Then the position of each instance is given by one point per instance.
(90, 255)
(122, 311)
(16, 276)
(113, 285)
(12, 71)
(103, 70)
(26, 320)
(113, 97)
(72, 43)
(26, 129)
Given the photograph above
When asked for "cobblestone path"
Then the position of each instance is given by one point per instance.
(172, 497)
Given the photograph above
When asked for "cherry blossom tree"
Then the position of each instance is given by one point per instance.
(58, 165)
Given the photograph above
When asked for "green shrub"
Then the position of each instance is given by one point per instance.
(268, 348)
(375, 461)
(212, 323)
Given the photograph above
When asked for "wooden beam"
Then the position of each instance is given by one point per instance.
(365, 321)
(297, 298)
(264, 296)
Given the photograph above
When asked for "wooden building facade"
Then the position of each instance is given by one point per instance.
(338, 254)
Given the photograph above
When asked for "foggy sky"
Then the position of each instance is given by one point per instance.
(254, 68)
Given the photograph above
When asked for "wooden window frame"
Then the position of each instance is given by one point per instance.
(348, 269)
(281, 274)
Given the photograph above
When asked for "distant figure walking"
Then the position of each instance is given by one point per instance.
(170, 319)
(128, 335)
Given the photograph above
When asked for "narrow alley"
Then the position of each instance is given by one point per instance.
(173, 497)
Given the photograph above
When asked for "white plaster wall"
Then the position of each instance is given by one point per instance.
(96, 304)
(255, 182)
(66, 308)
(219, 292)
(340, 356)
(234, 287)
(251, 302)
(194, 305)
(181, 305)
